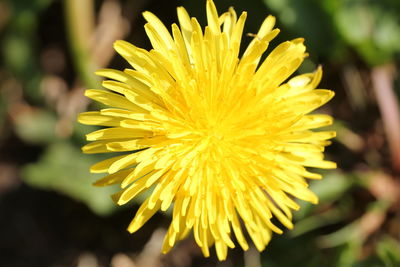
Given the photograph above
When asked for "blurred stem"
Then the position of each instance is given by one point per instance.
(354, 87)
(252, 257)
(80, 22)
(382, 81)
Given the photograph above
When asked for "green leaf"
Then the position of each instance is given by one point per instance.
(36, 126)
(331, 188)
(63, 168)
(308, 224)
(370, 27)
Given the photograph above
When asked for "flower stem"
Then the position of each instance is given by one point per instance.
(382, 80)
(80, 23)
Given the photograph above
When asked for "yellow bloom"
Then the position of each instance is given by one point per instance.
(226, 141)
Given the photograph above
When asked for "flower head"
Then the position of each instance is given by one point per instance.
(224, 140)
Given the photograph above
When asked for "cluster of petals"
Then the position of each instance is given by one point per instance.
(221, 140)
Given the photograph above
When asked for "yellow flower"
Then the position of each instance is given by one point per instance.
(222, 139)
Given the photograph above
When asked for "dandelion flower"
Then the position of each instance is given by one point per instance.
(224, 141)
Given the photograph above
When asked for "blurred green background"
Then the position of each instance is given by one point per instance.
(50, 215)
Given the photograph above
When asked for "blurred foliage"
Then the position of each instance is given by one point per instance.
(356, 222)
(369, 27)
(19, 43)
(389, 251)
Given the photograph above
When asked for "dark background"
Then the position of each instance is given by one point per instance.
(50, 215)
